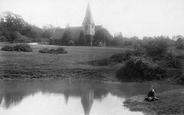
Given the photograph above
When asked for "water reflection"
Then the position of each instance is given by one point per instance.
(61, 97)
(87, 101)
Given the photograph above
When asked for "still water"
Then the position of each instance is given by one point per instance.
(62, 97)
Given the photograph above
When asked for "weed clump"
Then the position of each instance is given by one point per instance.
(60, 50)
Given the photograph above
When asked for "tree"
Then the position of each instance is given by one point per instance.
(102, 36)
(67, 38)
(156, 46)
(82, 39)
(47, 31)
(11, 25)
(118, 39)
(11, 21)
(179, 42)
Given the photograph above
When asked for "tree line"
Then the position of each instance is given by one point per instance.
(13, 28)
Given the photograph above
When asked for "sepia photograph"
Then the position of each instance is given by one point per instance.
(91, 57)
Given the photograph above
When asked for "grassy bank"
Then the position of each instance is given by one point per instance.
(35, 65)
(170, 102)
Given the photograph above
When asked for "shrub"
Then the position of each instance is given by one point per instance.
(3, 39)
(59, 50)
(180, 56)
(125, 56)
(19, 47)
(7, 48)
(117, 57)
(23, 47)
(139, 68)
(45, 50)
(169, 61)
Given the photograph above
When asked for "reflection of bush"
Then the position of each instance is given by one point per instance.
(59, 50)
(19, 47)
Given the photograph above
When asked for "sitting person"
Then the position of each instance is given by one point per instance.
(151, 95)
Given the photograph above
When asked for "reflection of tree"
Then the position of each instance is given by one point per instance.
(87, 101)
(10, 99)
(66, 95)
(100, 94)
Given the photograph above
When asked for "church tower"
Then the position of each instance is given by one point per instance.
(88, 26)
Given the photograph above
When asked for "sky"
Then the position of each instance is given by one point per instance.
(131, 17)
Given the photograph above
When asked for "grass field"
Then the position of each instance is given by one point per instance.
(74, 64)
(18, 65)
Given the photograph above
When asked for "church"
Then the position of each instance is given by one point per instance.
(88, 27)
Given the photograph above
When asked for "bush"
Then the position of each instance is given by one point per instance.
(3, 39)
(23, 47)
(125, 56)
(169, 61)
(7, 48)
(180, 56)
(117, 57)
(19, 47)
(139, 68)
(59, 50)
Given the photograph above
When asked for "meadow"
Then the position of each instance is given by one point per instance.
(74, 64)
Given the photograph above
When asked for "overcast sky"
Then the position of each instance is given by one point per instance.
(131, 17)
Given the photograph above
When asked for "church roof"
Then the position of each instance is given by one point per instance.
(88, 17)
(75, 32)
(57, 34)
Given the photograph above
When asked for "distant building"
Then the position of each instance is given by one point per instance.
(88, 27)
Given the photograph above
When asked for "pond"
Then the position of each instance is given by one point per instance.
(64, 97)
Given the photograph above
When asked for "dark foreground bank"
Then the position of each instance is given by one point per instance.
(170, 102)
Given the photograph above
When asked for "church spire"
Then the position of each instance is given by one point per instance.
(88, 17)
(88, 26)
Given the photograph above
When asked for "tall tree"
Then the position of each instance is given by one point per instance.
(179, 42)
(82, 39)
(47, 31)
(11, 21)
(11, 25)
(102, 36)
(67, 38)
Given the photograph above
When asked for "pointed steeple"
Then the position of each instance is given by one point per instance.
(88, 17)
